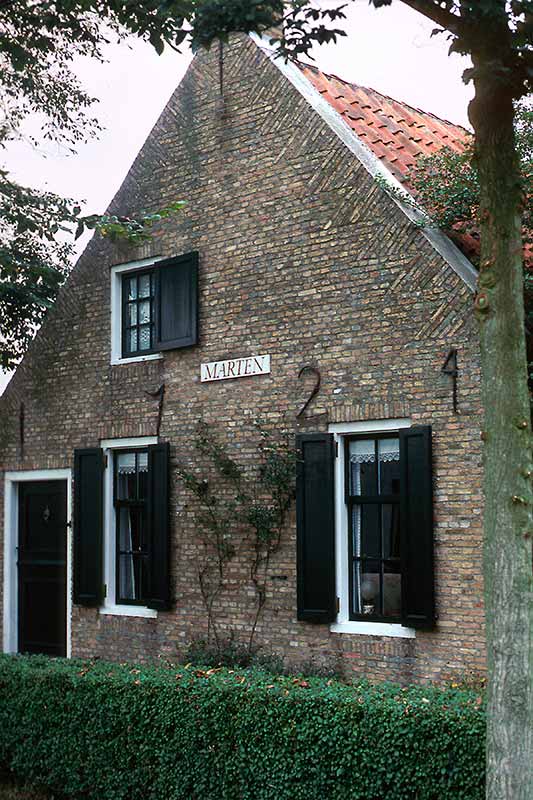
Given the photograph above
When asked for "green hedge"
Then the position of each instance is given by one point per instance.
(103, 731)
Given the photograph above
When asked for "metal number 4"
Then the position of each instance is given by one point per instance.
(450, 368)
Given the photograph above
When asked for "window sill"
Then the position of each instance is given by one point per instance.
(150, 357)
(128, 611)
(373, 629)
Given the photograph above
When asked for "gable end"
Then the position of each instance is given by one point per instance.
(438, 240)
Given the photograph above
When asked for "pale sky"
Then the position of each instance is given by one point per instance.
(390, 50)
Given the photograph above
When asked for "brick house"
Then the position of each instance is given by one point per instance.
(288, 254)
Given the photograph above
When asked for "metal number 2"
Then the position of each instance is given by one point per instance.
(314, 391)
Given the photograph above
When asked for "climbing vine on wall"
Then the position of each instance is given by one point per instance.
(238, 502)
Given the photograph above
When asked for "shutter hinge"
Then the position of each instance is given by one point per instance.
(336, 454)
(105, 461)
(337, 605)
(105, 589)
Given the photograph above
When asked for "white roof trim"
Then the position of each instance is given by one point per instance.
(439, 241)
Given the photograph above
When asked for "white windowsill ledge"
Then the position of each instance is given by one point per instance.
(134, 359)
(129, 611)
(373, 629)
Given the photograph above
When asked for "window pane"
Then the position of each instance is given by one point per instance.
(143, 530)
(124, 529)
(356, 531)
(130, 578)
(126, 462)
(132, 316)
(144, 286)
(142, 465)
(363, 479)
(357, 600)
(126, 476)
(131, 532)
(389, 466)
(392, 589)
(133, 340)
(132, 288)
(366, 583)
(390, 522)
(365, 530)
(144, 311)
(145, 337)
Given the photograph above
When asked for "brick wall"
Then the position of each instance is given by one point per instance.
(304, 257)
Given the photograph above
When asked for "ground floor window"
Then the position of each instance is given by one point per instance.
(372, 494)
(364, 527)
(130, 503)
(122, 527)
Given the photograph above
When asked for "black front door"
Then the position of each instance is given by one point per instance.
(42, 552)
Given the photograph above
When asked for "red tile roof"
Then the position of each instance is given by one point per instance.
(395, 132)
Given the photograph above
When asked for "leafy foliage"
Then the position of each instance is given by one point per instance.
(12, 790)
(233, 502)
(36, 253)
(447, 183)
(299, 24)
(134, 230)
(36, 54)
(40, 38)
(448, 187)
(216, 20)
(230, 652)
(33, 262)
(96, 730)
(38, 42)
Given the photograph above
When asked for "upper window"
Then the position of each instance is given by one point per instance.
(138, 327)
(154, 307)
(372, 467)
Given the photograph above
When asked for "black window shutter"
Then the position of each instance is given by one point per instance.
(176, 302)
(416, 514)
(159, 520)
(88, 526)
(315, 527)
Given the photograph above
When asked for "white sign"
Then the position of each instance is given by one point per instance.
(235, 368)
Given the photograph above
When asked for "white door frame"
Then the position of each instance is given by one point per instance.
(12, 480)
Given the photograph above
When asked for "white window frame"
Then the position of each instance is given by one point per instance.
(343, 623)
(110, 607)
(12, 480)
(116, 310)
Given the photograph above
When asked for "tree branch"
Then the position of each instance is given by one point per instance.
(433, 11)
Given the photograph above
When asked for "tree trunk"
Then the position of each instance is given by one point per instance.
(508, 531)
